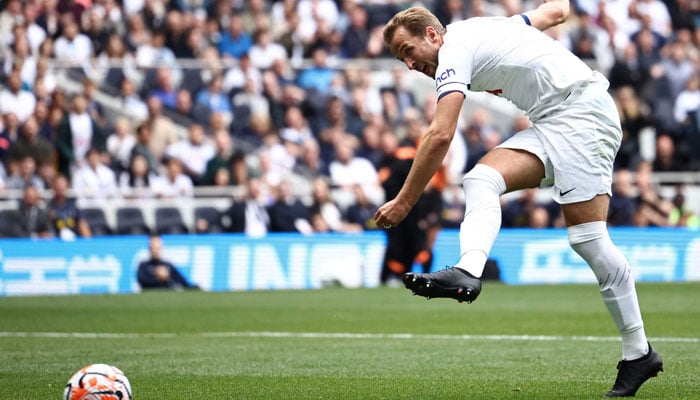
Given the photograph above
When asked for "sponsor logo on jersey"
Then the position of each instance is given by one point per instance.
(444, 76)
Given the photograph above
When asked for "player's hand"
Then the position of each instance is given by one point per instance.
(162, 273)
(391, 214)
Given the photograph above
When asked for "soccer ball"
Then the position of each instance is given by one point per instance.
(98, 382)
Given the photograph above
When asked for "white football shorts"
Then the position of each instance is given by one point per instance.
(577, 143)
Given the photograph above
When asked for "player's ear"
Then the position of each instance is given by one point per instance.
(431, 34)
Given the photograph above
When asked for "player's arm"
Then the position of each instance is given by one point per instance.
(548, 14)
(431, 151)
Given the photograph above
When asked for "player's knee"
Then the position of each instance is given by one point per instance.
(587, 232)
(483, 176)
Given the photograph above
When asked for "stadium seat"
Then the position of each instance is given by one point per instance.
(130, 221)
(96, 219)
(169, 221)
(7, 218)
(212, 216)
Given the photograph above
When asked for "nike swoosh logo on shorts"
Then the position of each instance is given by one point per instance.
(567, 192)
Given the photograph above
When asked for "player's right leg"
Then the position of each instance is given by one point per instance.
(501, 170)
(588, 236)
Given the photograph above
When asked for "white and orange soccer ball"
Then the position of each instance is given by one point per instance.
(98, 382)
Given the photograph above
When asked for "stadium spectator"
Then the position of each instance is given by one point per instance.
(449, 11)
(22, 60)
(24, 175)
(317, 20)
(35, 34)
(317, 78)
(45, 79)
(176, 26)
(31, 219)
(173, 183)
(16, 100)
(336, 117)
(185, 112)
(158, 273)
(327, 211)
(688, 100)
(30, 143)
(120, 144)
(370, 143)
(361, 210)
(356, 36)
(222, 157)
(652, 208)
(287, 213)
(164, 88)
(623, 203)
(193, 152)
(365, 99)
(133, 104)
(309, 163)
(235, 41)
(154, 54)
(115, 64)
(163, 131)
(138, 32)
(213, 97)
(676, 69)
(274, 163)
(591, 43)
(256, 15)
(265, 52)
(73, 49)
(296, 127)
(681, 215)
(347, 170)
(236, 77)
(249, 214)
(141, 147)
(135, 182)
(654, 14)
(405, 96)
(51, 122)
(94, 107)
(249, 101)
(96, 28)
(66, 218)
(240, 172)
(93, 179)
(75, 135)
(634, 118)
(667, 158)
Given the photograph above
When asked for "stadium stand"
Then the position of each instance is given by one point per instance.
(138, 51)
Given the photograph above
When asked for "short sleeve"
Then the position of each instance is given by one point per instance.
(454, 70)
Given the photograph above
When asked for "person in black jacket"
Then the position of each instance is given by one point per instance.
(157, 273)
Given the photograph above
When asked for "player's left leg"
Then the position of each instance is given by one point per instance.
(588, 236)
(501, 170)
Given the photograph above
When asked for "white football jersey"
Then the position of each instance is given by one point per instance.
(508, 58)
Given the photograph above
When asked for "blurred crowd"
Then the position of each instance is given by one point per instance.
(143, 99)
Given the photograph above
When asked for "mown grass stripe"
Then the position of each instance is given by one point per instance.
(336, 335)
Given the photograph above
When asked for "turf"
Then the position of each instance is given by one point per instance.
(346, 344)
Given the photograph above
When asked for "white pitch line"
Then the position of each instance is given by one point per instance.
(335, 335)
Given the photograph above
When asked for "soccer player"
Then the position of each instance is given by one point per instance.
(572, 142)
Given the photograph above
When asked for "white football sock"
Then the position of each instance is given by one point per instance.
(592, 242)
(483, 187)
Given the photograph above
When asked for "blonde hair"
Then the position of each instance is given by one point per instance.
(414, 20)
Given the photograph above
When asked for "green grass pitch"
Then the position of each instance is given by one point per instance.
(515, 342)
